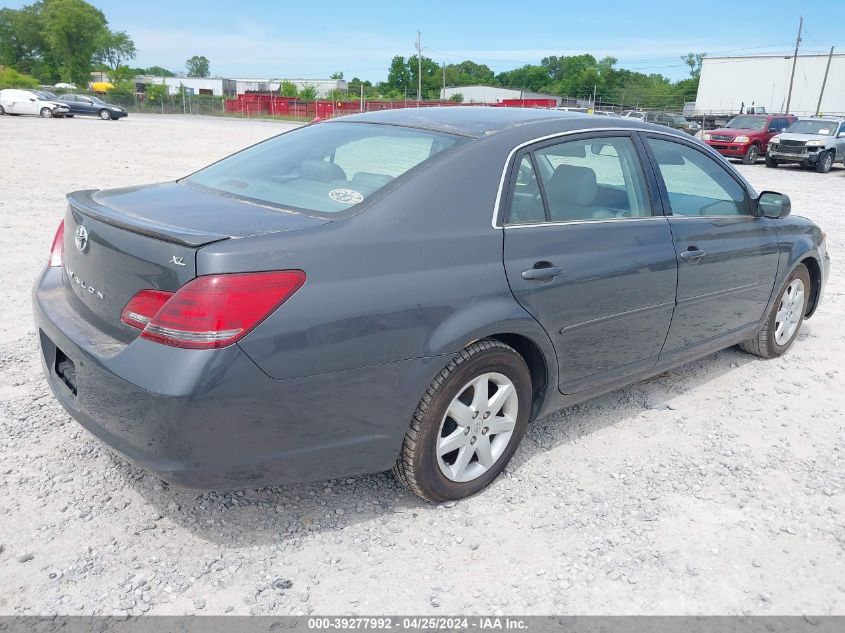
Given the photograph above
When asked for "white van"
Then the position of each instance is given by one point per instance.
(15, 101)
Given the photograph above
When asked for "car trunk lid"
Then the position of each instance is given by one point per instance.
(121, 241)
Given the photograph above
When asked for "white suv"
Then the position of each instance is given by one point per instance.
(15, 101)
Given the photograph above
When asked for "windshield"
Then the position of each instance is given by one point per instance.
(747, 123)
(677, 118)
(810, 126)
(327, 168)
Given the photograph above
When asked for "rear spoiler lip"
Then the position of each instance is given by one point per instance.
(84, 202)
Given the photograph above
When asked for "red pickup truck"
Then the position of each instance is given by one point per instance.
(746, 136)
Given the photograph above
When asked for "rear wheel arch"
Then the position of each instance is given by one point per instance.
(537, 366)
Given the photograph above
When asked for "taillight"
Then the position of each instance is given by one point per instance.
(57, 248)
(143, 307)
(211, 311)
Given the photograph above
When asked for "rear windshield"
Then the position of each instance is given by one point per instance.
(747, 123)
(824, 128)
(323, 168)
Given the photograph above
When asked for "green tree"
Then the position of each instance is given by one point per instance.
(308, 92)
(338, 95)
(694, 61)
(73, 30)
(402, 78)
(469, 73)
(115, 49)
(198, 66)
(457, 98)
(122, 73)
(337, 75)
(156, 92)
(10, 78)
(288, 89)
(354, 89)
(158, 71)
(23, 44)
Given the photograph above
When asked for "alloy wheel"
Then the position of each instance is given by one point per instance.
(477, 427)
(47, 113)
(789, 312)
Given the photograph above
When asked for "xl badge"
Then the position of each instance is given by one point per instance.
(179, 261)
(81, 238)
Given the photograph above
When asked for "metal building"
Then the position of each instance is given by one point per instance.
(323, 86)
(728, 82)
(492, 94)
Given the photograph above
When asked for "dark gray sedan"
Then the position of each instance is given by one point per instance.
(408, 289)
(85, 105)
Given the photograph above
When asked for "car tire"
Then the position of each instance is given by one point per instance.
(824, 163)
(105, 115)
(784, 319)
(46, 113)
(68, 116)
(2, 111)
(426, 465)
(771, 161)
(751, 155)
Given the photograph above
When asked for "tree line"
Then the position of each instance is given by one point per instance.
(574, 76)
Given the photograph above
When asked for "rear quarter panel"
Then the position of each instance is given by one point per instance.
(798, 239)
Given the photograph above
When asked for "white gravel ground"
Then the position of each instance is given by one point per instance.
(715, 488)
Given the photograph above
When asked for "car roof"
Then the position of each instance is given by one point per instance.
(477, 121)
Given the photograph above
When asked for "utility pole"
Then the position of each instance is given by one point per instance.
(362, 96)
(824, 82)
(794, 62)
(444, 82)
(419, 69)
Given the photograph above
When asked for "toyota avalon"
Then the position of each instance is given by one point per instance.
(407, 289)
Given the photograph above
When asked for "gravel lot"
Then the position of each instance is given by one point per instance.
(715, 488)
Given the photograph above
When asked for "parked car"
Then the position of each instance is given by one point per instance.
(84, 105)
(747, 136)
(606, 113)
(337, 300)
(676, 121)
(14, 101)
(579, 109)
(633, 114)
(817, 142)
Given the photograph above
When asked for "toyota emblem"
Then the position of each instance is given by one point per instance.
(81, 238)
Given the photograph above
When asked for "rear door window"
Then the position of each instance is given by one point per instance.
(527, 201)
(587, 179)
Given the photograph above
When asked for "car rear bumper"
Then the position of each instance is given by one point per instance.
(211, 419)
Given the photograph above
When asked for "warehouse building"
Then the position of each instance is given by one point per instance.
(492, 94)
(729, 82)
(323, 86)
(220, 87)
(216, 86)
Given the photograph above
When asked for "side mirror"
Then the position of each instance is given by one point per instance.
(771, 204)
(773, 129)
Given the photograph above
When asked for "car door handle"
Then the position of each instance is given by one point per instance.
(694, 255)
(542, 271)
